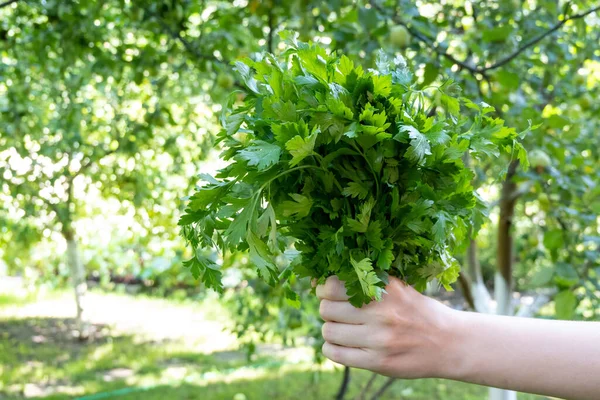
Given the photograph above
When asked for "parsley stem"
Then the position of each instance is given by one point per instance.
(370, 167)
(285, 173)
(324, 168)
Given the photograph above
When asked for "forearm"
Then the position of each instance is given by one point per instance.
(554, 358)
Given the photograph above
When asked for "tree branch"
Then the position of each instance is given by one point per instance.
(7, 3)
(193, 50)
(363, 393)
(427, 41)
(383, 388)
(537, 39)
(474, 70)
(271, 27)
(341, 394)
(188, 46)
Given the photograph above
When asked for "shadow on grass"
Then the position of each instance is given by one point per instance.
(39, 358)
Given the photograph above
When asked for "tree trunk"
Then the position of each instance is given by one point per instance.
(505, 256)
(503, 279)
(479, 293)
(77, 280)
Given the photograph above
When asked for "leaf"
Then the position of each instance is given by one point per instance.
(206, 271)
(449, 276)
(356, 189)
(509, 80)
(521, 155)
(566, 275)
(361, 223)
(439, 228)
(374, 235)
(430, 73)
(260, 257)
(300, 148)
(356, 226)
(212, 278)
(368, 18)
(565, 304)
(263, 222)
(542, 277)
(261, 154)
(419, 145)
(286, 131)
(233, 122)
(346, 66)
(431, 270)
(208, 195)
(367, 278)
(451, 104)
(246, 75)
(282, 111)
(557, 122)
(300, 207)
(382, 85)
(497, 34)
(449, 90)
(481, 145)
(291, 298)
(386, 255)
(553, 239)
(437, 134)
(238, 227)
(314, 61)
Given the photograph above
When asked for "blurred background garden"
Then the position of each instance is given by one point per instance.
(109, 112)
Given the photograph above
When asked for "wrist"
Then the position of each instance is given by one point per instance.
(456, 331)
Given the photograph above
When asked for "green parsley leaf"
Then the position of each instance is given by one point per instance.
(261, 154)
(300, 147)
(300, 207)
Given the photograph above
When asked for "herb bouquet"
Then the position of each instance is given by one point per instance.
(353, 168)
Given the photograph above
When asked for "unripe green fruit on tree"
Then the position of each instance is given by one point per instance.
(295, 324)
(539, 159)
(544, 202)
(225, 80)
(239, 396)
(585, 102)
(534, 241)
(580, 79)
(399, 36)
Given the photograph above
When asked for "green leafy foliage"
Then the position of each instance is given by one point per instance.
(202, 268)
(366, 181)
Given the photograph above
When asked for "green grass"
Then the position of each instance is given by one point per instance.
(39, 358)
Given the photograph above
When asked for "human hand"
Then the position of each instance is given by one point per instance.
(406, 335)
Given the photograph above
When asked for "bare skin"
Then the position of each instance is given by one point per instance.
(409, 335)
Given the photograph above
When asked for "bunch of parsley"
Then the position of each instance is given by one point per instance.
(354, 169)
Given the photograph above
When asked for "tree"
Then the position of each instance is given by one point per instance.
(74, 118)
